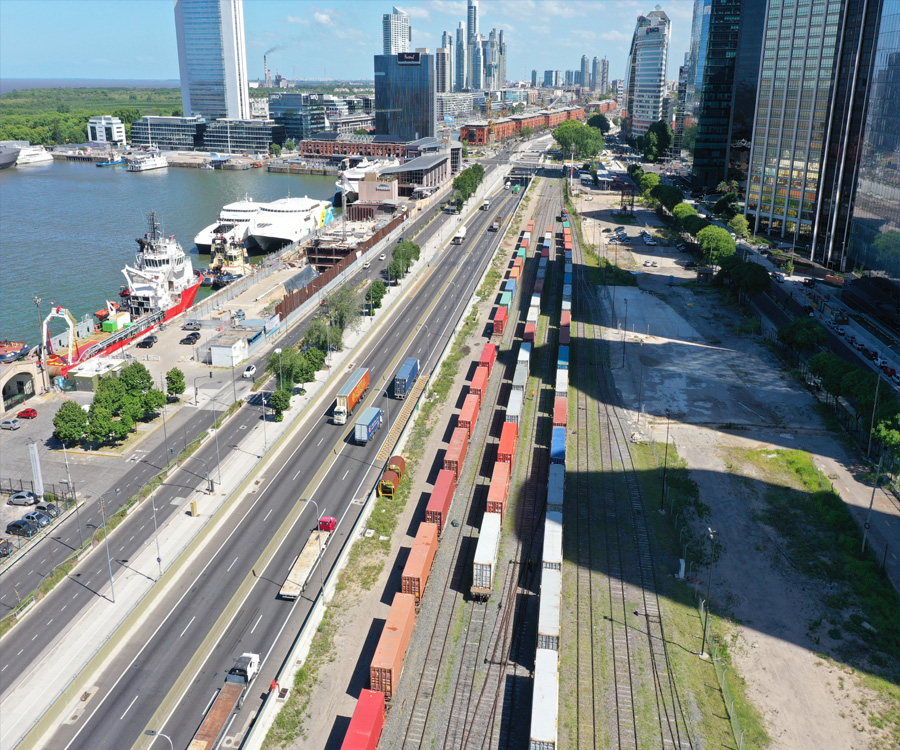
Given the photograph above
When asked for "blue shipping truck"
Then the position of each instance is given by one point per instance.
(406, 378)
(367, 425)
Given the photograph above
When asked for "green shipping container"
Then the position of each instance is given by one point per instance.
(521, 252)
(506, 300)
(565, 225)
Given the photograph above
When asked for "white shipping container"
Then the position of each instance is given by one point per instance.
(526, 236)
(567, 305)
(548, 612)
(514, 408)
(524, 356)
(556, 487)
(485, 561)
(535, 300)
(545, 701)
(552, 556)
(520, 378)
(533, 314)
(562, 383)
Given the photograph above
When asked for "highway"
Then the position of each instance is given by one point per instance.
(146, 669)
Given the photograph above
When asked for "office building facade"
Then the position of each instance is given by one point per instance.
(461, 58)
(242, 136)
(442, 70)
(169, 133)
(585, 73)
(453, 105)
(595, 73)
(301, 115)
(212, 59)
(396, 32)
(534, 78)
(106, 129)
(405, 95)
(448, 44)
(603, 86)
(645, 72)
(473, 45)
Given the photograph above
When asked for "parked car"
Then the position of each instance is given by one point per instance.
(36, 517)
(607, 229)
(48, 509)
(647, 263)
(10, 424)
(652, 243)
(22, 498)
(147, 342)
(27, 414)
(191, 338)
(22, 528)
(249, 372)
(654, 264)
(888, 370)
(779, 277)
(691, 264)
(191, 325)
(681, 248)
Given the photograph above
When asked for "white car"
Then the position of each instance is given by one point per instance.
(589, 198)
(249, 372)
(382, 256)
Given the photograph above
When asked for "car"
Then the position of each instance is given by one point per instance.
(607, 229)
(619, 229)
(681, 248)
(651, 242)
(147, 343)
(399, 240)
(779, 277)
(36, 517)
(589, 198)
(22, 498)
(382, 257)
(22, 528)
(249, 372)
(191, 325)
(27, 414)
(888, 370)
(191, 338)
(5, 548)
(654, 264)
(691, 264)
(10, 424)
(647, 263)
(48, 509)
(367, 264)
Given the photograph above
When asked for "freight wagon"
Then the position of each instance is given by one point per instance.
(488, 357)
(387, 664)
(500, 318)
(367, 425)
(498, 490)
(520, 378)
(350, 394)
(558, 446)
(567, 291)
(560, 411)
(562, 358)
(556, 488)
(485, 562)
(506, 450)
(562, 383)
(455, 456)
(390, 480)
(479, 384)
(418, 564)
(548, 609)
(367, 722)
(406, 377)
(515, 407)
(552, 553)
(469, 415)
(438, 507)
(545, 701)
(528, 334)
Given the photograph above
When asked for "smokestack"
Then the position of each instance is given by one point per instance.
(265, 72)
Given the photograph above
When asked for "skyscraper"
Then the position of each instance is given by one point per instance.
(501, 60)
(405, 95)
(645, 72)
(603, 85)
(442, 70)
(476, 75)
(461, 57)
(472, 45)
(595, 73)
(534, 78)
(810, 112)
(396, 32)
(447, 42)
(212, 60)
(585, 72)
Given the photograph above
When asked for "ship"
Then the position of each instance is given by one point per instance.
(33, 155)
(349, 182)
(233, 222)
(289, 220)
(144, 161)
(113, 160)
(229, 261)
(160, 285)
(10, 351)
(8, 156)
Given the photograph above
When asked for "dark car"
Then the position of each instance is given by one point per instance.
(5, 548)
(22, 528)
(191, 338)
(27, 414)
(147, 343)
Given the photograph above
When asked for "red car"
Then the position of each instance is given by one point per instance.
(27, 414)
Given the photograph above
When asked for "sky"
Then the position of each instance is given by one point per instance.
(334, 39)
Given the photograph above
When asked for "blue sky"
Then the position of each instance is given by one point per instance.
(315, 39)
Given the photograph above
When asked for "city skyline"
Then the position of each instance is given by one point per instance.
(301, 37)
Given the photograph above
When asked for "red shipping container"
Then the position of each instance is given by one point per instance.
(545, 253)
(455, 456)
(524, 244)
(387, 664)
(538, 286)
(506, 451)
(549, 229)
(565, 318)
(469, 414)
(479, 384)
(560, 411)
(368, 719)
(500, 318)
(440, 500)
(518, 263)
(564, 335)
(488, 356)
(498, 493)
(529, 332)
(418, 564)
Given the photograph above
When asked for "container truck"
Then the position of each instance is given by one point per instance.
(485, 562)
(406, 377)
(350, 394)
(497, 223)
(486, 205)
(313, 549)
(387, 663)
(460, 236)
(367, 425)
(367, 722)
(230, 698)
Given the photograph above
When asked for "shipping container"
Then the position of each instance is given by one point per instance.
(529, 332)
(515, 272)
(562, 383)
(525, 354)
(469, 415)
(387, 663)
(565, 319)
(539, 285)
(552, 554)
(510, 286)
(509, 436)
(441, 498)
(488, 357)
(568, 255)
(558, 446)
(560, 411)
(515, 406)
(562, 358)
(567, 305)
(567, 279)
(390, 482)
(418, 564)
(365, 727)
(485, 561)
(534, 313)
(406, 377)
(545, 253)
(498, 490)
(564, 335)
(548, 609)
(567, 291)
(545, 701)
(479, 383)
(350, 394)
(556, 487)
(455, 456)
(520, 253)
(566, 225)
(535, 300)
(526, 235)
(541, 274)
(367, 425)
(506, 300)
(567, 268)
(500, 318)
(520, 378)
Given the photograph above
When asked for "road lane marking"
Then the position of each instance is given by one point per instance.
(4, 668)
(345, 475)
(63, 608)
(129, 708)
(232, 565)
(187, 626)
(49, 621)
(20, 652)
(75, 594)
(254, 627)
(321, 440)
(267, 514)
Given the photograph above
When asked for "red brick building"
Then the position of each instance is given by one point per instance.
(481, 133)
(326, 145)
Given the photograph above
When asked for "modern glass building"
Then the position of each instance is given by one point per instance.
(396, 32)
(405, 95)
(645, 72)
(301, 115)
(461, 57)
(169, 133)
(211, 58)
(242, 136)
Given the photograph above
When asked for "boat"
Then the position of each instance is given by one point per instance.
(289, 220)
(144, 161)
(233, 223)
(8, 156)
(349, 181)
(33, 155)
(10, 351)
(160, 285)
(114, 160)
(229, 257)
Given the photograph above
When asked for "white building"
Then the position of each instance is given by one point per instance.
(453, 105)
(645, 72)
(106, 129)
(443, 79)
(396, 32)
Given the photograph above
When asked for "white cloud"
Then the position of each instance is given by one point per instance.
(297, 19)
(323, 19)
(452, 7)
(613, 36)
(415, 11)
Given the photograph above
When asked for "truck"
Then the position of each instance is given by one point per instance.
(460, 235)
(227, 702)
(367, 425)
(406, 377)
(498, 222)
(313, 549)
(486, 205)
(350, 394)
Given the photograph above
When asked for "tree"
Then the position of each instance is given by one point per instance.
(600, 122)
(175, 384)
(649, 146)
(395, 269)
(664, 137)
(695, 224)
(526, 132)
(753, 278)
(153, 400)
(739, 225)
(291, 146)
(304, 370)
(275, 149)
(803, 334)
(727, 206)
(280, 401)
(376, 293)
(177, 112)
(361, 131)
(70, 423)
(100, 423)
(465, 150)
(571, 135)
(682, 211)
(828, 367)
(667, 195)
(689, 138)
(727, 186)
(136, 378)
(343, 308)
(127, 114)
(715, 244)
(648, 182)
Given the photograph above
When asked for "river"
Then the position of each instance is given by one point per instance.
(68, 228)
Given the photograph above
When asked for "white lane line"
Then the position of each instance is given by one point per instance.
(321, 440)
(63, 608)
(43, 561)
(121, 548)
(49, 621)
(187, 626)
(257, 623)
(20, 651)
(129, 708)
(75, 594)
(132, 537)
(268, 514)
(31, 571)
(4, 668)
(345, 475)
(34, 636)
(232, 565)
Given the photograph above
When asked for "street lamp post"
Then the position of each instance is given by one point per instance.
(662, 495)
(624, 332)
(321, 562)
(216, 430)
(197, 390)
(280, 373)
(155, 527)
(72, 490)
(37, 304)
(112, 589)
(712, 538)
(154, 733)
(209, 482)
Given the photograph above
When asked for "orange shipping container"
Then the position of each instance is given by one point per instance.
(455, 456)
(506, 452)
(560, 411)
(565, 318)
(498, 493)
(440, 500)
(518, 263)
(418, 565)
(469, 415)
(480, 380)
(515, 272)
(387, 664)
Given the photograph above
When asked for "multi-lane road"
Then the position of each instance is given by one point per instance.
(144, 684)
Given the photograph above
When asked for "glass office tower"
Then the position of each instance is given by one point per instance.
(405, 95)
(645, 72)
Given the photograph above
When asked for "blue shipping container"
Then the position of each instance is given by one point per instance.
(558, 446)
(510, 286)
(367, 425)
(567, 279)
(406, 377)
(562, 360)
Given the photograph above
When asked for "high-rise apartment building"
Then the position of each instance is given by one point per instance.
(645, 72)
(448, 43)
(476, 75)
(461, 57)
(810, 112)
(405, 95)
(549, 79)
(501, 60)
(595, 73)
(534, 78)
(212, 60)
(603, 85)
(396, 32)
(442, 79)
(585, 78)
(473, 46)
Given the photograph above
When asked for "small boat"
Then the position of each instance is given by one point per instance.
(10, 351)
(114, 160)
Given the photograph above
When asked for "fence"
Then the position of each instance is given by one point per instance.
(55, 492)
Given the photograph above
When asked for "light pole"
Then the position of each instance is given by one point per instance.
(712, 538)
(280, 373)
(154, 733)
(216, 430)
(871, 504)
(321, 562)
(72, 490)
(233, 383)
(37, 304)
(155, 527)
(112, 589)
(662, 495)
(624, 332)
(209, 483)
(197, 390)
(640, 381)
(265, 419)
